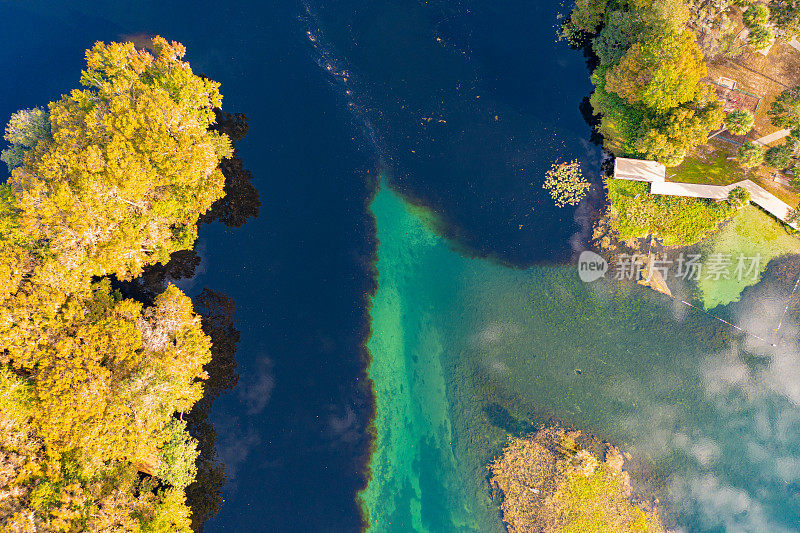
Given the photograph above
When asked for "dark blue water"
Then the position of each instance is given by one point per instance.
(463, 103)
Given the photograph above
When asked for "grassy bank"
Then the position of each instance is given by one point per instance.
(675, 220)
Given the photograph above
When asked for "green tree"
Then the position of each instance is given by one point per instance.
(566, 183)
(785, 14)
(619, 120)
(178, 455)
(784, 111)
(668, 137)
(751, 155)
(761, 37)
(740, 121)
(755, 15)
(779, 156)
(24, 131)
(587, 15)
(660, 73)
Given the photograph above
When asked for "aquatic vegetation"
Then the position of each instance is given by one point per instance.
(750, 233)
(566, 183)
(465, 351)
(675, 220)
(548, 483)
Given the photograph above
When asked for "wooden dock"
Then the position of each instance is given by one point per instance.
(652, 278)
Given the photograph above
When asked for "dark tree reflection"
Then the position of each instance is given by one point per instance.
(241, 198)
(204, 496)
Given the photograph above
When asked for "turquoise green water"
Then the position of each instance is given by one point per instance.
(466, 351)
(751, 233)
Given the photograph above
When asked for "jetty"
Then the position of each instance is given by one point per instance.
(653, 278)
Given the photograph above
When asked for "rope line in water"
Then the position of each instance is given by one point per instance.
(785, 309)
(649, 249)
(725, 321)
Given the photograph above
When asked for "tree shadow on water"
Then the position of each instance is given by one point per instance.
(501, 418)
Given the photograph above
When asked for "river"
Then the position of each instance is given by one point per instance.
(407, 269)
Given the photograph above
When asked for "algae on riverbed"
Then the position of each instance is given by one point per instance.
(751, 233)
(466, 351)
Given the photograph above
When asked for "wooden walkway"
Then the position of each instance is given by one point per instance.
(774, 136)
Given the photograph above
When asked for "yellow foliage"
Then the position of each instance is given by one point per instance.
(116, 183)
(549, 484)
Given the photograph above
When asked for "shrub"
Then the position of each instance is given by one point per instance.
(575, 491)
(792, 216)
(738, 197)
(779, 156)
(740, 121)
(675, 220)
(751, 155)
(755, 15)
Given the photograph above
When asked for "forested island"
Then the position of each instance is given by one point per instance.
(100, 371)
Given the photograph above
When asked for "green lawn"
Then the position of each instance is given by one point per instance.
(712, 169)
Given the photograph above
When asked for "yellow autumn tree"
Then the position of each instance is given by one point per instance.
(129, 164)
(661, 72)
(111, 178)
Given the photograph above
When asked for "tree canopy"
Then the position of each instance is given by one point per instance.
(127, 167)
(739, 121)
(648, 84)
(761, 37)
(755, 15)
(779, 156)
(661, 73)
(668, 137)
(784, 111)
(109, 179)
(785, 15)
(751, 155)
